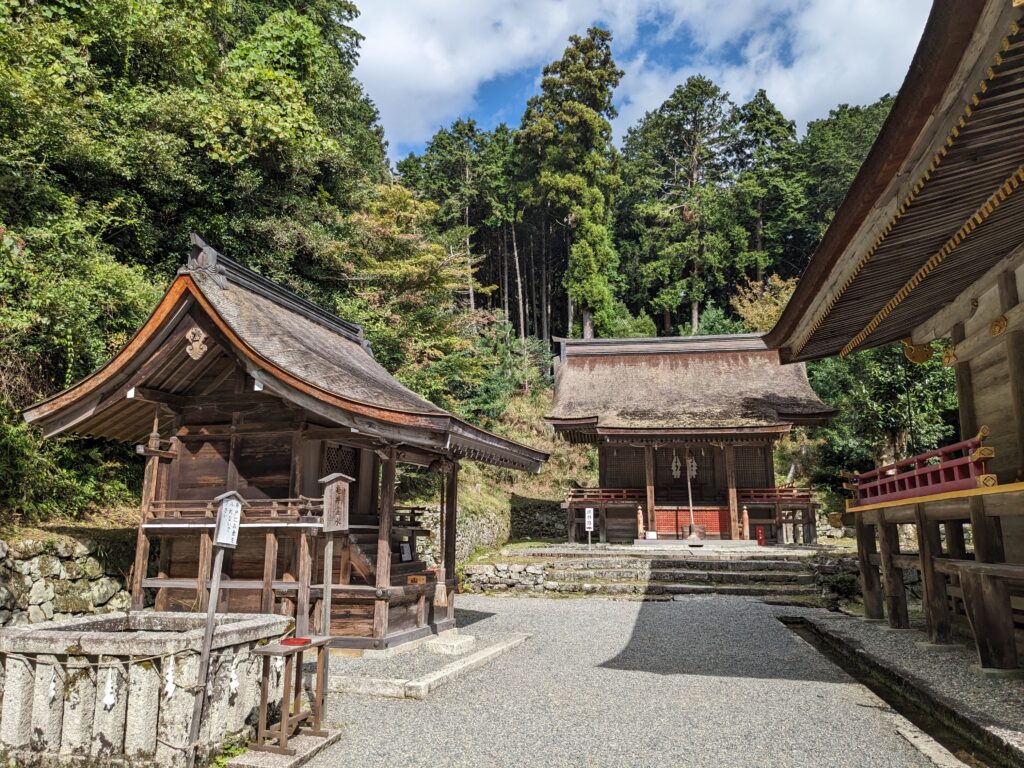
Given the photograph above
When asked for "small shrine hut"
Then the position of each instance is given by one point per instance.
(684, 422)
(236, 384)
(929, 245)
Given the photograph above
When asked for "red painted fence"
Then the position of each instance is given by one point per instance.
(955, 467)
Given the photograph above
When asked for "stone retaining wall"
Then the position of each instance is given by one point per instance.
(63, 576)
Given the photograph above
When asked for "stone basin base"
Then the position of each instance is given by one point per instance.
(120, 688)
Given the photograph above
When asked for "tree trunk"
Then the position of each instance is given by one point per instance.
(504, 271)
(469, 259)
(666, 321)
(568, 315)
(545, 314)
(519, 284)
(588, 323)
(759, 246)
(694, 317)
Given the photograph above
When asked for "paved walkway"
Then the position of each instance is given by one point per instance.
(706, 681)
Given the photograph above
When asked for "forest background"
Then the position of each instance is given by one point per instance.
(125, 125)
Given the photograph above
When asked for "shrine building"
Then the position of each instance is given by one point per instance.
(680, 419)
(927, 250)
(235, 384)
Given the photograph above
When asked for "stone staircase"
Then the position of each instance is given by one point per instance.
(774, 576)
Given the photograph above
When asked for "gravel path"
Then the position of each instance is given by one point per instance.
(707, 681)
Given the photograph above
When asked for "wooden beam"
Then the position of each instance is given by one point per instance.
(870, 586)
(892, 577)
(936, 605)
(383, 565)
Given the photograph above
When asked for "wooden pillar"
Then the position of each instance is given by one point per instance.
(964, 390)
(870, 585)
(649, 477)
(1013, 344)
(779, 536)
(987, 603)
(988, 540)
(149, 485)
(936, 605)
(746, 523)
(602, 523)
(451, 512)
(162, 602)
(730, 484)
(269, 572)
(305, 576)
(386, 513)
(570, 522)
(203, 571)
(364, 483)
(892, 576)
(956, 544)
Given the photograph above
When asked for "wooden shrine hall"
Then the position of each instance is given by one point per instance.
(684, 419)
(234, 383)
(929, 246)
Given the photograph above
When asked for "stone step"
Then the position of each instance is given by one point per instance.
(717, 577)
(681, 588)
(681, 564)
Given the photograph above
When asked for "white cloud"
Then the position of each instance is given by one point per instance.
(423, 60)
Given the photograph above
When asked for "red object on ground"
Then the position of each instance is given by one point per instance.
(295, 641)
(760, 535)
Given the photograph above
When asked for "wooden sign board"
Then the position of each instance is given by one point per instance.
(229, 519)
(336, 502)
(416, 579)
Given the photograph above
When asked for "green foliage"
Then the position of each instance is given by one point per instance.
(889, 409)
(572, 167)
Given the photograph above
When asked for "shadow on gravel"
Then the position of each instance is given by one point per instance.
(719, 637)
(465, 617)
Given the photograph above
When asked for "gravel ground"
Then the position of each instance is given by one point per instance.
(706, 681)
(996, 704)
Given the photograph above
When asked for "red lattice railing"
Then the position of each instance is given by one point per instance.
(953, 468)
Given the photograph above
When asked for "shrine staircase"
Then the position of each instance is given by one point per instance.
(774, 576)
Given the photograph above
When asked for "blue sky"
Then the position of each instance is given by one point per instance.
(427, 62)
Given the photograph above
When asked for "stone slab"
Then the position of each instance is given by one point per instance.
(419, 688)
(306, 748)
(451, 644)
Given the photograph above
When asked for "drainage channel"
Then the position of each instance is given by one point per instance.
(966, 741)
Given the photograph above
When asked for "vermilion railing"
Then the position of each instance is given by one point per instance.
(955, 467)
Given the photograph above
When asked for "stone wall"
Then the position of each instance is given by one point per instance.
(506, 577)
(60, 576)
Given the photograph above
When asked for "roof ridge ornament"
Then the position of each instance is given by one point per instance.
(206, 260)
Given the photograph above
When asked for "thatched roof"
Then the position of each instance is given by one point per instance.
(290, 349)
(703, 384)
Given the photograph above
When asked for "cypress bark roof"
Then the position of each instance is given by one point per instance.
(701, 384)
(289, 348)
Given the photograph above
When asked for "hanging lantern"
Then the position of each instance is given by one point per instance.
(677, 465)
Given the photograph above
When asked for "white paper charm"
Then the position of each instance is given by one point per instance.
(110, 696)
(169, 686)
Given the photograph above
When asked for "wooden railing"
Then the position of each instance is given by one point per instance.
(953, 468)
(599, 495)
(781, 494)
(256, 509)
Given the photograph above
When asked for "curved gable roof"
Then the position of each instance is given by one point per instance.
(301, 352)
